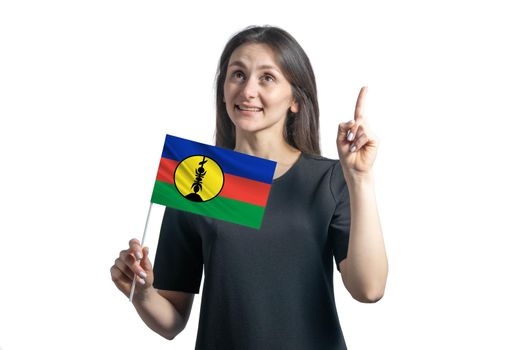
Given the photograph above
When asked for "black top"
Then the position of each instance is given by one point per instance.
(270, 288)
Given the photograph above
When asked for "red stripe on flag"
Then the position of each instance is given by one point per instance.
(235, 187)
(245, 190)
(167, 170)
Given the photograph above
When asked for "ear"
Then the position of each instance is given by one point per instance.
(294, 107)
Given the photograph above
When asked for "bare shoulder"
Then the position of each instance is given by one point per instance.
(182, 301)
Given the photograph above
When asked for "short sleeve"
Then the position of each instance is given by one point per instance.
(178, 261)
(339, 228)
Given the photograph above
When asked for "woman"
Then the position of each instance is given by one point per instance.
(270, 288)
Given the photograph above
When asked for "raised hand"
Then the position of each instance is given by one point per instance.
(356, 146)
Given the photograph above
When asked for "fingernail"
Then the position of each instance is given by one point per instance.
(138, 255)
(141, 281)
(142, 274)
(350, 135)
(352, 149)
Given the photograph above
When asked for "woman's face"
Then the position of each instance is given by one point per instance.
(256, 93)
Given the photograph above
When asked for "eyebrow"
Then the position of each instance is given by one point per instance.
(264, 66)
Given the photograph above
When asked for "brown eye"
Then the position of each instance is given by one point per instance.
(268, 78)
(238, 75)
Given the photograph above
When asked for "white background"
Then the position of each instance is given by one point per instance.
(88, 89)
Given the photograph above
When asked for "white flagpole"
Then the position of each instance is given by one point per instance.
(141, 244)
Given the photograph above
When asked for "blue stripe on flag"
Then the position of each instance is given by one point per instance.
(231, 162)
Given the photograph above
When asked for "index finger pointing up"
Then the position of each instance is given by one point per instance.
(360, 104)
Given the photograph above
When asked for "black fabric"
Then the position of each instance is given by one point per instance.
(270, 288)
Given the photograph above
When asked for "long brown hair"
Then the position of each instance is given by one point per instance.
(301, 129)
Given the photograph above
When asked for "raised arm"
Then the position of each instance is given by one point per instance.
(365, 269)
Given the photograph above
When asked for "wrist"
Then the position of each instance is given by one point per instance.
(141, 295)
(359, 178)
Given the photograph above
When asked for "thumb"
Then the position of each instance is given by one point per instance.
(344, 129)
(145, 262)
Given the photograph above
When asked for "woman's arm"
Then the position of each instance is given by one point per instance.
(158, 310)
(165, 312)
(365, 269)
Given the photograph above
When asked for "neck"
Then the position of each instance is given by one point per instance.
(276, 149)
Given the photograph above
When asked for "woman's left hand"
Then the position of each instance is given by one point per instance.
(356, 146)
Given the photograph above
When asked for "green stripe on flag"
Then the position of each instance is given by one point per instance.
(218, 208)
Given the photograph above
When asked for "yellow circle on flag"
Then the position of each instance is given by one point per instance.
(199, 178)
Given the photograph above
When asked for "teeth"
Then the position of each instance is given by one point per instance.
(251, 109)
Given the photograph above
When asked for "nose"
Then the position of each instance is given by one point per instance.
(251, 88)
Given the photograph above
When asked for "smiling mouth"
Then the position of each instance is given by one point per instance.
(248, 109)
